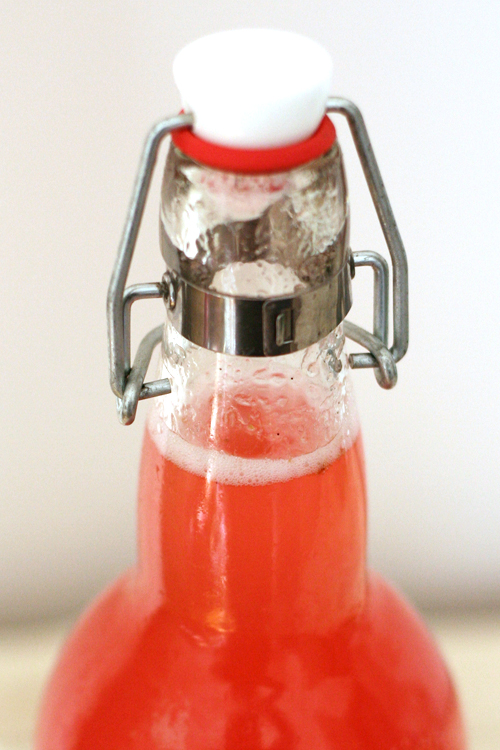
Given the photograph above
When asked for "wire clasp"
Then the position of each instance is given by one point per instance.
(127, 381)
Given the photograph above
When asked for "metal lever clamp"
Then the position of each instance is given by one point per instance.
(128, 382)
(380, 357)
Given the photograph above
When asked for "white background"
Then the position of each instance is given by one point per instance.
(80, 84)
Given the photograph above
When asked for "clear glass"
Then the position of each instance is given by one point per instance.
(256, 235)
(316, 380)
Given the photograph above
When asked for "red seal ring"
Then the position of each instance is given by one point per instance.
(256, 161)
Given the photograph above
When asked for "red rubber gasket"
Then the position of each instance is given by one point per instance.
(256, 161)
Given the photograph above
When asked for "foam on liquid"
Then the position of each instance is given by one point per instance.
(224, 468)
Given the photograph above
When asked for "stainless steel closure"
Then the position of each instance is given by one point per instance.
(254, 326)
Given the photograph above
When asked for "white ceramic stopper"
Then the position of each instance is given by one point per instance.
(254, 88)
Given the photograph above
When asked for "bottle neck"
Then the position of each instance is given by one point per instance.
(252, 505)
(252, 498)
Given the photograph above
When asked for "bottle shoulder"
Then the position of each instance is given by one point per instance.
(378, 682)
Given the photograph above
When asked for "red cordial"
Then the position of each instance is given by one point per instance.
(257, 161)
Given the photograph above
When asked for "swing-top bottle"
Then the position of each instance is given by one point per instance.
(250, 621)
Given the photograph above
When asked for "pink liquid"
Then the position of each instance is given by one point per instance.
(250, 622)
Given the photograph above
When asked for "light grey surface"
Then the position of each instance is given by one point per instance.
(470, 643)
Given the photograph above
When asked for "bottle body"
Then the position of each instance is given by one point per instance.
(250, 621)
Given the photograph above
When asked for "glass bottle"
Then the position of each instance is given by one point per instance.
(250, 621)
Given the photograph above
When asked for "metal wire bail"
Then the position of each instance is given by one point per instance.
(127, 382)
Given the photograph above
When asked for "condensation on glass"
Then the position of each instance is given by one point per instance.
(256, 236)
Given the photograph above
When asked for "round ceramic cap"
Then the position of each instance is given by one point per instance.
(254, 88)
